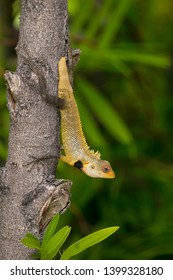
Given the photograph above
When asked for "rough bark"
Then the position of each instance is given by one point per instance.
(28, 179)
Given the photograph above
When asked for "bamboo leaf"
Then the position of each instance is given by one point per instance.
(81, 17)
(106, 113)
(50, 230)
(116, 18)
(93, 134)
(87, 242)
(31, 241)
(96, 20)
(135, 56)
(36, 255)
(30, 235)
(3, 151)
(55, 243)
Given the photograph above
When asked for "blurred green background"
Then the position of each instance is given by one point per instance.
(123, 86)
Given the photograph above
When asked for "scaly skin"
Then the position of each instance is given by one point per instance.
(77, 152)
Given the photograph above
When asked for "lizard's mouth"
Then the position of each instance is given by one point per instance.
(109, 175)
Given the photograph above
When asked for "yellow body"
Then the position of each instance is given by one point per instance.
(77, 152)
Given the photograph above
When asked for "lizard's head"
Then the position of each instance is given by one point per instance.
(99, 169)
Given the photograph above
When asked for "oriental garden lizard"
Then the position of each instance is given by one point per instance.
(77, 152)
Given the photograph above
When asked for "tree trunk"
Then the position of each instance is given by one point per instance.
(27, 182)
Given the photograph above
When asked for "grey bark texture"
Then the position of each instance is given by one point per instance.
(27, 182)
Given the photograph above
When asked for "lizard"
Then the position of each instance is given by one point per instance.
(77, 151)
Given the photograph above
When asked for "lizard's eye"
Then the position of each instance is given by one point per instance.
(106, 168)
(92, 166)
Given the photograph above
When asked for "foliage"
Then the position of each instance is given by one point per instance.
(53, 241)
(126, 67)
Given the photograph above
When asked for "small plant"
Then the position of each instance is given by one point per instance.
(53, 240)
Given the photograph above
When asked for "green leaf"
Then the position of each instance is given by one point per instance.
(3, 151)
(87, 242)
(16, 13)
(73, 7)
(115, 22)
(94, 22)
(31, 241)
(94, 135)
(30, 235)
(134, 55)
(50, 230)
(36, 255)
(96, 60)
(137, 56)
(55, 243)
(82, 17)
(106, 113)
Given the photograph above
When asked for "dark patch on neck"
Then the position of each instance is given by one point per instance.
(78, 164)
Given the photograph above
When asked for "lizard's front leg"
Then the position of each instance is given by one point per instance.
(51, 99)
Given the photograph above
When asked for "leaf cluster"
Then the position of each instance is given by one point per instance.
(53, 240)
